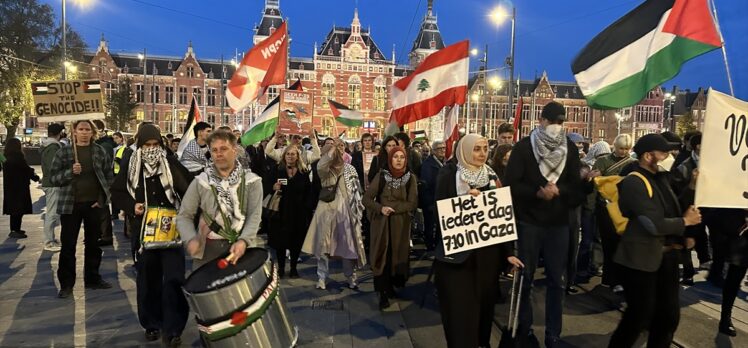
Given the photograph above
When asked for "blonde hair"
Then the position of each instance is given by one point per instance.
(623, 141)
(299, 162)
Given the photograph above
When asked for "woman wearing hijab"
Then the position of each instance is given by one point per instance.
(154, 182)
(380, 161)
(391, 197)
(335, 229)
(468, 281)
(288, 227)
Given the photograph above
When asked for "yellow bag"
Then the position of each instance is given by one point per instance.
(160, 229)
(607, 186)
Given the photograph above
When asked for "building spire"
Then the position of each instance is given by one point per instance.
(102, 45)
(190, 52)
(430, 11)
(356, 24)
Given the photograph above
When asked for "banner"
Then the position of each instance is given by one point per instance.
(295, 114)
(59, 101)
(723, 161)
(469, 222)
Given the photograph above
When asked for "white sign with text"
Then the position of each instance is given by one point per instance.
(469, 222)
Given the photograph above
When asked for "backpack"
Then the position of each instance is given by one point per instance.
(607, 186)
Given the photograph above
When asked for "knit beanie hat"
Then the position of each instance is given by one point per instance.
(148, 132)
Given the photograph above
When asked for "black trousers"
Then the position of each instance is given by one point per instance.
(106, 224)
(735, 275)
(610, 240)
(720, 246)
(575, 226)
(653, 304)
(281, 256)
(161, 303)
(71, 224)
(15, 222)
(467, 294)
(429, 227)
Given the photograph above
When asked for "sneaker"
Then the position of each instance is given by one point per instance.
(152, 334)
(174, 341)
(617, 289)
(101, 284)
(52, 246)
(17, 235)
(352, 283)
(65, 293)
(321, 284)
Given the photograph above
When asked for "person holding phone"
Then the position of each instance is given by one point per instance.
(289, 225)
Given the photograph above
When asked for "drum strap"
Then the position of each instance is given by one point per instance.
(233, 323)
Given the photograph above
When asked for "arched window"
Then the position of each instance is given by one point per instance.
(328, 88)
(354, 92)
(380, 93)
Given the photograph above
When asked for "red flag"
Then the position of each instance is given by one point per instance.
(263, 65)
(440, 81)
(451, 129)
(517, 120)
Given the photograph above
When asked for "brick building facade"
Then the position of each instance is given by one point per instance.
(350, 68)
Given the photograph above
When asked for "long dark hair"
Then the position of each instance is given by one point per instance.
(13, 148)
(498, 158)
(383, 156)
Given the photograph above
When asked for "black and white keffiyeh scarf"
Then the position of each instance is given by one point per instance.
(153, 161)
(550, 153)
(227, 193)
(393, 182)
(476, 178)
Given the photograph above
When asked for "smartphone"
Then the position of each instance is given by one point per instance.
(283, 182)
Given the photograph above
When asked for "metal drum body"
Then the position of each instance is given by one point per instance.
(215, 294)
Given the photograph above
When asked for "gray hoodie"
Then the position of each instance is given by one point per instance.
(48, 150)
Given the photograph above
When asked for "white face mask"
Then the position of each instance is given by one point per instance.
(666, 164)
(553, 130)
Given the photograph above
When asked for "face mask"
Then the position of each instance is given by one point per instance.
(553, 130)
(666, 164)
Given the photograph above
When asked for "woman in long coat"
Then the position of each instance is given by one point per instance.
(288, 226)
(390, 199)
(335, 229)
(17, 176)
(468, 281)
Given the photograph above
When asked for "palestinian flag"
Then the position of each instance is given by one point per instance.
(265, 125)
(192, 118)
(642, 50)
(345, 115)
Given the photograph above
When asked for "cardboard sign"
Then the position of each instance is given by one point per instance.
(295, 113)
(469, 222)
(59, 101)
(723, 161)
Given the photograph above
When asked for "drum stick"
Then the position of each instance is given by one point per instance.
(223, 263)
(231, 257)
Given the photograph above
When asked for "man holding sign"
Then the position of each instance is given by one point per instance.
(473, 220)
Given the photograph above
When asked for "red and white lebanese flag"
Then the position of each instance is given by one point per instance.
(262, 66)
(440, 81)
(451, 129)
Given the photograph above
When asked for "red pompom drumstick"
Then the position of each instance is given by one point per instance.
(223, 263)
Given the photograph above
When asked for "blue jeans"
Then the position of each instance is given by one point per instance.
(554, 241)
(51, 218)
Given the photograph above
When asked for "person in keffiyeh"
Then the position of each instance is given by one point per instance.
(229, 197)
(195, 155)
(546, 184)
(150, 179)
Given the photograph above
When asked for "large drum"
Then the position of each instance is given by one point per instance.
(240, 306)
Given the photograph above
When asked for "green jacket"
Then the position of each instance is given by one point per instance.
(48, 150)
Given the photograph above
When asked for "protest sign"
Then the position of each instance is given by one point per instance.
(469, 222)
(59, 101)
(723, 161)
(295, 115)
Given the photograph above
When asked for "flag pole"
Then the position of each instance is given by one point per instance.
(724, 50)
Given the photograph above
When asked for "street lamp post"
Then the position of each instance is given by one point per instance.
(64, 42)
(485, 69)
(144, 58)
(498, 15)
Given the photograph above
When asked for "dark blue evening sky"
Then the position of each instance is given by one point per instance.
(549, 32)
